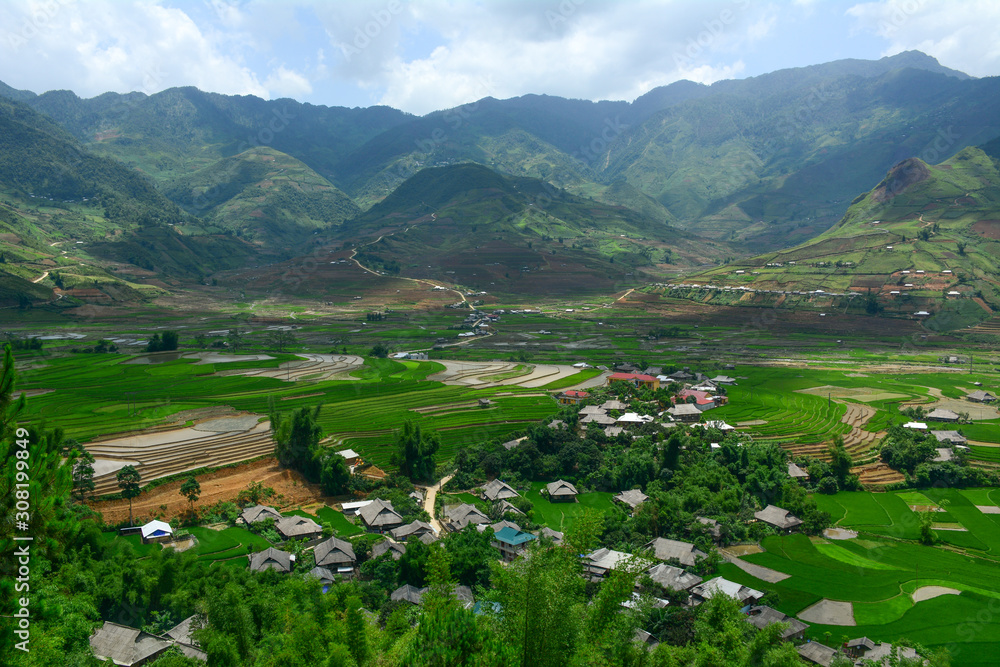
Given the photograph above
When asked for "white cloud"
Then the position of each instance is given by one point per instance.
(102, 45)
(283, 82)
(961, 34)
(572, 48)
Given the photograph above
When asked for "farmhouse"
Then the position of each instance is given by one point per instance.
(133, 647)
(780, 518)
(495, 490)
(760, 617)
(635, 379)
(713, 527)
(352, 509)
(337, 555)
(940, 415)
(673, 578)
(572, 397)
(553, 535)
(597, 564)
(380, 516)
(864, 649)
(718, 586)
(351, 456)
(561, 492)
(510, 542)
(408, 593)
(950, 437)
(271, 559)
(461, 516)
(701, 399)
(685, 412)
(796, 472)
(298, 528)
(257, 513)
(723, 379)
(916, 426)
(156, 531)
(683, 552)
(600, 419)
(325, 576)
(613, 404)
(416, 529)
(632, 418)
(631, 498)
(817, 654)
(395, 549)
(981, 396)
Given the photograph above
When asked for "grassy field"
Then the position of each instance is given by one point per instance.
(562, 516)
(92, 393)
(879, 571)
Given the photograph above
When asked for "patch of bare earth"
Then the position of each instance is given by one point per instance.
(291, 488)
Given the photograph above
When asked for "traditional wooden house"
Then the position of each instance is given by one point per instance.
(380, 516)
(561, 492)
(298, 528)
(683, 552)
(779, 518)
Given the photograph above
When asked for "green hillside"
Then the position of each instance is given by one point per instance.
(87, 225)
(261, 195)
(926, 238)
(469, 225)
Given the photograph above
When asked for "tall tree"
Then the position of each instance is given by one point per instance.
(191, 489)
(840, 461)
(128, 481)
(295, 439)
(415, 451)
(82, 462)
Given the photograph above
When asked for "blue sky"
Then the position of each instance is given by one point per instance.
(424, 55)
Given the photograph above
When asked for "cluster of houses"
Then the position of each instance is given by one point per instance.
(699, 393)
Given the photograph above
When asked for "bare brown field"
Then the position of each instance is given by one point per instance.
(292, 489)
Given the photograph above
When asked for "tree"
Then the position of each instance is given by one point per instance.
(415, 450)
(840, 463)
(295, 439)
(235, 339)
(357, 631)
(961, 246)
(279, 340)
(335, 476)
(128, 482)
(191, 489)
(83, 470)
(380, 350)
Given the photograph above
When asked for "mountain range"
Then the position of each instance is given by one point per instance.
(704, 172)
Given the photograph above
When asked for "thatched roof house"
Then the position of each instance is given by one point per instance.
(496, 489)
(561, 491)
(780, 518)
(298, 528)
(336, 554)
(271, 559)
(684, 552)
(256, 513)
(380, 516)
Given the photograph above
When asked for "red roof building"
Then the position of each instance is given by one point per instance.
(572, 397)
(636, 379)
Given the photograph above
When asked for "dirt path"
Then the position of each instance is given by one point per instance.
(759, 571)
(430, 495)
(41, 278)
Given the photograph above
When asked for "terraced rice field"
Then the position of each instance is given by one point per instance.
(889, 584)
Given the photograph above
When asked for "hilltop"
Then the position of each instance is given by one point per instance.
(472, 226)
(925, 238)
(263, 196)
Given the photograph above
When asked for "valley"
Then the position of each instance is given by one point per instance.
(716, 367)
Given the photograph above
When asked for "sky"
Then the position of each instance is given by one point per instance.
(424, 55)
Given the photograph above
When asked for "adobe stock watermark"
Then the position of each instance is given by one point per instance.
(703, 41)
(22, 538)
(898, 15)
(563, 12)
(40, 19)
(365, 34)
